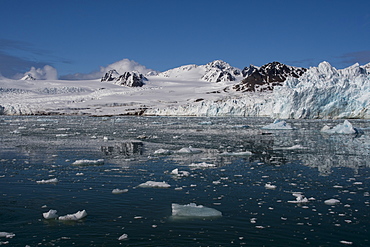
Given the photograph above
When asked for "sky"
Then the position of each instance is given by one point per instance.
(79, 38)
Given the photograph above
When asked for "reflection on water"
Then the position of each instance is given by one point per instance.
(301, 160)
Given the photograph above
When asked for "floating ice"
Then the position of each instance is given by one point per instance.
(51, 214)
(162, 151)
(331, 202)
(270, 186)
(7, 235)
(345, 128)
(278, 125)
(48, 181)
(189, 150)
(346, 242)
(76, 216)
(193, 210)
(201, 165)
(178, 173)
(119, 191)
(153, 184)
(123, 237)
(245, 153)
(299, 198)
(88, 162)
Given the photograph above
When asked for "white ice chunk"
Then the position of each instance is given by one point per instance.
(88, 162)
(245, 153)
(119, 191)
(201, 165)
(123, 237)
(76, 216)
(178, 173)
(51, 214)
(278, 125)
(345, 128)
(7, 235)
(270, 186)
(189, 150)
(331, 202)
(299, 198)
(193, 210)
(48, 181)
(162, 151)
(153, 184)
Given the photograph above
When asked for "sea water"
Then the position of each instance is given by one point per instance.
(250, 175)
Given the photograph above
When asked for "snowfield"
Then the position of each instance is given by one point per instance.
(321, 92)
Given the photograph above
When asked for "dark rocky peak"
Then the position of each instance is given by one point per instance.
(111, 75)
(266, 77)
(131, 79)
(28, 77)
(249, 70)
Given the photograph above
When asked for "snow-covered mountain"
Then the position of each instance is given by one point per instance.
(259, 79)
(320, 92)
(214, 89)
(130, 79)
(216, 71)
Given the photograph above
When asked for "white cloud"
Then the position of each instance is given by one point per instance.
(122, 66)
(45, 73)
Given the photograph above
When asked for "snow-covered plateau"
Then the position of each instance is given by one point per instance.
(200, 90)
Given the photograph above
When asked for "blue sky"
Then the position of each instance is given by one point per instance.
(77, 36)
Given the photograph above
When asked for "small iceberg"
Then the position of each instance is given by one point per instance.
(245, 153)
(299, 198)
(119, 191)
(189, 150)
(270, 186)
(74, 217)
(201, 165)
(193, 210)
(48, 181)
(123, 237)
(331, 202)
(51, 214)
(153, 184)
(178, 173)
(162, 151)
(7, 235)
(278, 125)
(345, 128)
(88, 162)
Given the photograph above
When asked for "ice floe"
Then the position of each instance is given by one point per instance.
(201, 165)
(331, 201)
(189, 150)
(123, 237)
(162, 151)
(193, 210)
(299, 198)
(74, 217)
(119, 191)
(7, 235)
(48, 181)
(278, 124)
(153, 184)
(51, 214)
(88, 162)
(345, 128)
(245, 153)
(178, 173)
(270, 186)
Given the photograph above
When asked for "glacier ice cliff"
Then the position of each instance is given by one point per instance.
(321, 92)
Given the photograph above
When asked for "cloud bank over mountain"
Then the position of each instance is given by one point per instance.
(121, 67)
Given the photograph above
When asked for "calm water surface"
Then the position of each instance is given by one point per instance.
(301, 160)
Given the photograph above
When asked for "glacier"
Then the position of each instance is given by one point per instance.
(321, 92)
